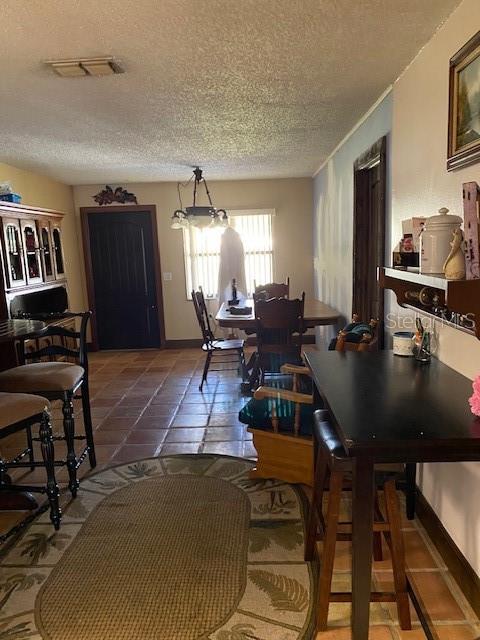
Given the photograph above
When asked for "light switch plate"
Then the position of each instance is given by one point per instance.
(167, 275)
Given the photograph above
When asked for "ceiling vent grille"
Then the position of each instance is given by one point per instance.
(105, 66)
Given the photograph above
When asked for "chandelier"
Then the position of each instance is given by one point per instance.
(198, 216)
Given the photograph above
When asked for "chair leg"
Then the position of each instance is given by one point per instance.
(410, 489)
(377, 536)
(87, 420)
(69, 430)
(328, 551)
(31, 455)
(46, 440)
(243, 365)
(205, 368)
(398, 554)
(314, 521)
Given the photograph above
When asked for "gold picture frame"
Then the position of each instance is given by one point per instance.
(464, 106)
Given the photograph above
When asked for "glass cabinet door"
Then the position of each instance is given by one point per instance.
(58, 251)
(14, 253)
(46, 250)
(32, 252)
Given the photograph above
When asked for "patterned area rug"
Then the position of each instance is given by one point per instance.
(179, 548)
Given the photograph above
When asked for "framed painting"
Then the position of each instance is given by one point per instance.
(464, 106)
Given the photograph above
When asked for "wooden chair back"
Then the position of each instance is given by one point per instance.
(71, 344)
(202, 316)
(279, 329)
(272, 290)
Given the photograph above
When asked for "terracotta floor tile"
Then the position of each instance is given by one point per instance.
(126, 411)
(109, 436)
(344, 633)
(133, 452)
(434, 592)
(447, 632)
(185, 435)
(218, 434)
(180, 447)
(119, 423)
(187, 420)
(224, 420)
(226, 448)
(146, 436)
(153, 422)
(198, 409)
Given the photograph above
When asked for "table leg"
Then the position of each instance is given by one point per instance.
(362, 545)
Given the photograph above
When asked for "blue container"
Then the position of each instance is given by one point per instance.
(11, 197)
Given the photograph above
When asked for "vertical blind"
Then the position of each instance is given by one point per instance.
(202, 252)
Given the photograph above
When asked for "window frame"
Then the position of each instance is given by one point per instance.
(231, 213)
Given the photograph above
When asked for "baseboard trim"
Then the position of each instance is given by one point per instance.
(251, 341)
(457, 564)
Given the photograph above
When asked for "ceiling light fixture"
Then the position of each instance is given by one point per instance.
(99, 66)
(198, 216)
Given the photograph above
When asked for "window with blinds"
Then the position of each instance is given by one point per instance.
(202, 252)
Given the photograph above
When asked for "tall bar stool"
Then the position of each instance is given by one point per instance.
(20, 411)
(60, 380)
(332, 462)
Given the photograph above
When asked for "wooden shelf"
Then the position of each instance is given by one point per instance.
(460, 296)
(435, 282)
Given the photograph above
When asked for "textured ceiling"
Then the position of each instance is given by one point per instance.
(244, 88)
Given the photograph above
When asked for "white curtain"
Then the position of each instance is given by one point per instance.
(232, 266)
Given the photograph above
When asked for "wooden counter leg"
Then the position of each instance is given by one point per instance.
(362, 545)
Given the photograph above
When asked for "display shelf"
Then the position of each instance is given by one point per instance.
(409, 275)
(460, 296)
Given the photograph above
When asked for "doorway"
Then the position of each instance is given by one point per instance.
(122, 265)
(370, 173)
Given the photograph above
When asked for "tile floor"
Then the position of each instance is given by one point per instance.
(147, 404)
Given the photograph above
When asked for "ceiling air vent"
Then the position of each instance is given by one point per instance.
(105, 66)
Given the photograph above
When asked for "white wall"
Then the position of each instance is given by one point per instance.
(420, 186)
(416, 112)
(333, 214)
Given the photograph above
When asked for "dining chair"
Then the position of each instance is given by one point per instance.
(279, 330)
(19, 412)
(42, 372)
(272, 289)
(221, 350)
(332, 464)
(279, 416)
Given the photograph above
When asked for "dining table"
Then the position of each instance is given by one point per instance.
(316, 313)
(388, 408)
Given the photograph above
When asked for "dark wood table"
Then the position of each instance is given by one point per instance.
(316, 314)
(20, 329)
(390, 409)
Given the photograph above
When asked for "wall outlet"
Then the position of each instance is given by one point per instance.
(167, 275)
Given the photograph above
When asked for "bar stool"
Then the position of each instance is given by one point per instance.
(21, 411)
(59, 380)
(331, 460)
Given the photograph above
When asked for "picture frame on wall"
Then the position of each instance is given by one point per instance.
(464, 106)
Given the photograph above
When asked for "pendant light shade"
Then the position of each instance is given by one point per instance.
(198, 216)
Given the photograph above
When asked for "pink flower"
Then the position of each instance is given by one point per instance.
(474, 400)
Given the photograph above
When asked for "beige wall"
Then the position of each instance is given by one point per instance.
(292, 241)
(420, 186)
(40, 191)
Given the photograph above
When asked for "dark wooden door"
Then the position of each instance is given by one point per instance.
(369, 233)
(124, 284)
